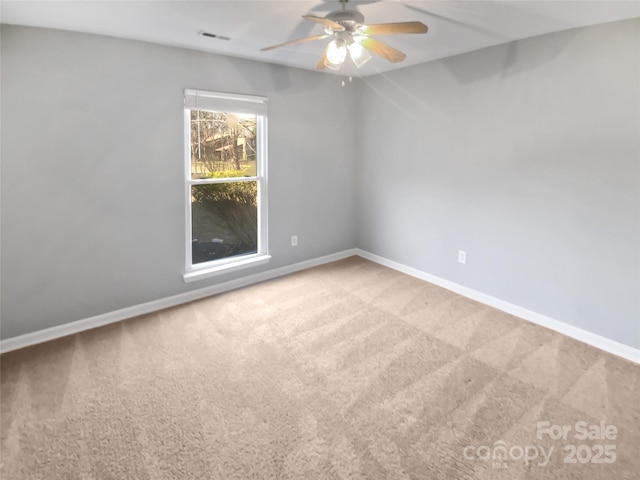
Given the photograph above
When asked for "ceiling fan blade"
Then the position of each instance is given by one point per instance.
(336, 27)
(323, 60)
(385, 51)
(293, 42)
(389, 28)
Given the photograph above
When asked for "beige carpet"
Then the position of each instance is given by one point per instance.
(345, 371)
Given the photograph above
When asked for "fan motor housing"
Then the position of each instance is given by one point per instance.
(346, 18)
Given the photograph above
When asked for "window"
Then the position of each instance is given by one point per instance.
(226, 182)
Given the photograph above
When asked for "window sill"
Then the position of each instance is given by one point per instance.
(207, 272)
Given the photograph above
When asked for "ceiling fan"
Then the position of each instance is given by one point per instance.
(351, 35)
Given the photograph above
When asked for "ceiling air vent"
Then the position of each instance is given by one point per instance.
(213, 35)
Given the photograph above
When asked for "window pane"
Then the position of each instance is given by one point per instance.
(223, 144)
(224, 220)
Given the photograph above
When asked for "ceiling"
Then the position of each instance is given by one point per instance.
(454, 26)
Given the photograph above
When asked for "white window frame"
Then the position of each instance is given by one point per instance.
(235, 103)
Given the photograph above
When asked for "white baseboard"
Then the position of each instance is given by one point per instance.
(598, 341)
(118, 315)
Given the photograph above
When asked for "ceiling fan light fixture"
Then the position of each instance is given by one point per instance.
(332, 66)
(350, 35)
(336, 53)
(358, 54)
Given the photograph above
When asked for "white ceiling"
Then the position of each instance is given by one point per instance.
(454, 26)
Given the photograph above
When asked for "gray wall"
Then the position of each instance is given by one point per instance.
(526, 156)
(92, 170)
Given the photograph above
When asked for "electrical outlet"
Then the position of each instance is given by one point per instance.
(294, 240)
(462, 257)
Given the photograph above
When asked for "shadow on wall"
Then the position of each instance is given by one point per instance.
(499, 61)
(504, 54)
(504, 59)
(272, 78)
